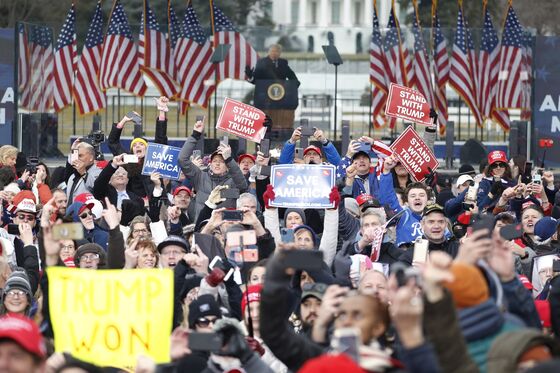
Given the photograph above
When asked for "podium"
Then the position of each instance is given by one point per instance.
(278, 99)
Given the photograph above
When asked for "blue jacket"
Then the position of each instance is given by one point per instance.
(358, 187)
(454, 207)
(483, 200)
(287, 153)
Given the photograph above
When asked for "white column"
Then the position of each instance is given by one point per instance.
(302, 20)
(347, 13)
(324, 19)
(288, 14)
(368, 14)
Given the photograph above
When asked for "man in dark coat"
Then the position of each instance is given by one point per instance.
(271, 67)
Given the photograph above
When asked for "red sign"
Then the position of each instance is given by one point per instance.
(414, 154)
(408, 104)
(242, 120)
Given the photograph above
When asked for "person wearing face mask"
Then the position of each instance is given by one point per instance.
(139, 184)
(222, 170)
(497, 178)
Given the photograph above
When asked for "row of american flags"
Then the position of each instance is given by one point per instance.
(490, 81)
(178, 61)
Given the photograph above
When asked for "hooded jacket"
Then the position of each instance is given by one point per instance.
(205, 181)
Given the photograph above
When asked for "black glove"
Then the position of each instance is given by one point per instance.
(433, 115)
(267, 121)
(234, 343)
(431, 178)
(249, 72)
(497, 188)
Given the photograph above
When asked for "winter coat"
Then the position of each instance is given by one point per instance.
(287, 153)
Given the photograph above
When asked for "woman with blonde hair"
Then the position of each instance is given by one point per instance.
(8, 157)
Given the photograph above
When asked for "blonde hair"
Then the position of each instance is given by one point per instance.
(150, 245)
(8, 151)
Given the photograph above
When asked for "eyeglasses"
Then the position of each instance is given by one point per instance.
(172, 253)
(15, 293)
(86, 214)
(205, 321)
(316, 287)
(140, 231)
(67, 248)
(24, 217)
(90, 257)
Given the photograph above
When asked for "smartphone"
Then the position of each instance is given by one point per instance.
(482, 222)
(265, 171)
(196, 153)
(303, 259)
(299, 153)
(130, 158)
(365, 147)
(511, 231)
(537, 179)
(232, 215)
(232, 193)
(241, 238)
(225, 140)
(134, 117)
(420, 254)
(250, 255)
(200, 118)
(265, 147)
(68, 231)
(211, 342)
(74, 156)
(13, 229)
(467, 206)
(526, 177)
(347, 341)
(287, 235)
(307, 131)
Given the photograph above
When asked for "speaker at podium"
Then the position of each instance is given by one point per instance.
(278, 99)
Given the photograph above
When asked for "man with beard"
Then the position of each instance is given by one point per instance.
(60, 201)
(311, 299)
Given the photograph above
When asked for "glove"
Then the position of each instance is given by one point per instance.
(497, 188)
(433, 115)
(249, 72)
(334, 197)
(234, 343)
(267, 121)
(255, 345)
(268, 196)
(431, 178)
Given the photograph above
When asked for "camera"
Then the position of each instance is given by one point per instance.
(95, 138)
(31, 166)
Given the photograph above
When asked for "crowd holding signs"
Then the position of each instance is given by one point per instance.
(168, 260)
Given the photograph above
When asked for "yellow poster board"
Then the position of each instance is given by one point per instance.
(109, 317)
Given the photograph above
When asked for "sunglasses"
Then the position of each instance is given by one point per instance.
(86, 214)
(26, 217)
(204, 321)
(498, 165)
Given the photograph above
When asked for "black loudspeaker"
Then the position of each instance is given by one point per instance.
(449, 144)
(472, 152)
(522, 137)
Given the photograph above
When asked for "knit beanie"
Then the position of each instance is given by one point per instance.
(18, 280)
(300, 212)
(469, 287)
(90, 248)
(310, 230)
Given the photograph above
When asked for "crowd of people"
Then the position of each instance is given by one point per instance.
(453, 274)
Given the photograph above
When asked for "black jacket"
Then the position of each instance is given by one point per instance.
(102, 188)
(450, 246)
(266, 69)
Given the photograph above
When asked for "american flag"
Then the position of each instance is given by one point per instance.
(513, 73)
(119, 60)
(178, 44)
(87, 92)
(198, 51)
(462, 76)
(488, 66)
(65, 60)
(23, 57)
(441, 72)
(398, 64)
(241, 53)
(37, 94)
(422, 76)
(154, 54)
(377, 74)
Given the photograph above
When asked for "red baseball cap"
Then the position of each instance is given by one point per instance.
(24, 332)
(312, 148)
(87, 205)
(497, 156)
(363, 198)
(182, 189)
(251, 156)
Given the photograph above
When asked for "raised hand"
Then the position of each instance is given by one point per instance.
(111, 215)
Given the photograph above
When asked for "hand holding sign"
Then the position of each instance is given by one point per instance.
(242, 120)
(414, 154)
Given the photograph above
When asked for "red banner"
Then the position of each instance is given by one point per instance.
(408, 104)
(414, 154)
(242, 120)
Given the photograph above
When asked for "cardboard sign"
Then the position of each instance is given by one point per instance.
(109, 317)
(408, 104)
(242, 120)
(414, 154)
(302, 185)
(163, 159)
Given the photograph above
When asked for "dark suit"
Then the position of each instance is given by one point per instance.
(266, 69)
(102, 188)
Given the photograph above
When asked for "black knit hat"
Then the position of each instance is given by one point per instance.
(204, 305)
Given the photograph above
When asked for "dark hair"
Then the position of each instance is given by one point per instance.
(482, 166)
(519, 161)
(504, 217)
(48, 178)
(260, 263)
(396, 179)
(415, 185)
(6, 176)
(57, 177)
(507, 173)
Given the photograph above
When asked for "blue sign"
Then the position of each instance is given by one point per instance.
(163, 159)
(7, 85)
(302, 185)
(546, 107)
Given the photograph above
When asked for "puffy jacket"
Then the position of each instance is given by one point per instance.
(205, 181)
(288, 151)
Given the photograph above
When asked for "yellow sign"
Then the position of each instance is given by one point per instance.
(109, 317)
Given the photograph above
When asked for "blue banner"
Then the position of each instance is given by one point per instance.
(302, 186)
(163, 159)
(546, 107)
(7, 85)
